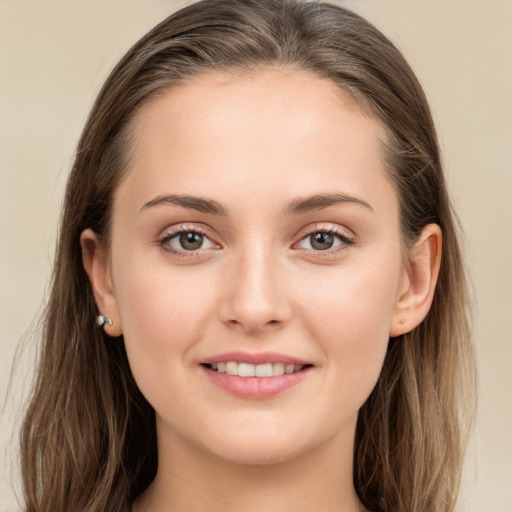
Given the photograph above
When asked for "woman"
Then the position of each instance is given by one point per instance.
(258, 299)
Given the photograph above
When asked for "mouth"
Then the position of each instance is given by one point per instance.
(255, 376)
(256, 370)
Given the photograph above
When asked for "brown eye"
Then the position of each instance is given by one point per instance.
(321, 241)
(191, 241)
(186, 241)
(318, 241)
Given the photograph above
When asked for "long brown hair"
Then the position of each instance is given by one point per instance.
(88, 441)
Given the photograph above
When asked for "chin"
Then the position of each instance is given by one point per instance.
(260, 449)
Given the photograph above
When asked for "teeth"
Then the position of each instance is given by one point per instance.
(289, 368)
(245, 370)
(263, 370)
(278, 369)
(232, 368)
(256, 370)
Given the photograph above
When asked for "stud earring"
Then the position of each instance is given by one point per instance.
(103, 320)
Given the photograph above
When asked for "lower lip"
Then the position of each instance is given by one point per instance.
(256, 388)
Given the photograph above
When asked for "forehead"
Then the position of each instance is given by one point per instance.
(264, 96)
(252, 130)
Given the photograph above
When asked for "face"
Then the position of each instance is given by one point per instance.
(256, 233)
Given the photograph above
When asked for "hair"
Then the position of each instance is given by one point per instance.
(88, 440)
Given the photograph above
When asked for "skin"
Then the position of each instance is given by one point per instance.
(257, 144)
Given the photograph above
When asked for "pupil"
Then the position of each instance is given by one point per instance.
(191, 241)
(322, 241)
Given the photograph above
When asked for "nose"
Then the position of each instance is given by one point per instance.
(255, 299)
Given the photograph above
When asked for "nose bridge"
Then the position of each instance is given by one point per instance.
(255, 298)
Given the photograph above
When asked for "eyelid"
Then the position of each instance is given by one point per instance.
(173, 231)
(345, 235)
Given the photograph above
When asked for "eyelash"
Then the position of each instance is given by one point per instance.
(163, 242)
(345, 241)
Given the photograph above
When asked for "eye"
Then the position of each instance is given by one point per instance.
(186, 241)
(324, 240)
(190, 241)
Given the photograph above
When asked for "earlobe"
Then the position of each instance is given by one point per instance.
(416, 296)
(95, 262)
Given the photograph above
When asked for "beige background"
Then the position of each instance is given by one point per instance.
(54, 56)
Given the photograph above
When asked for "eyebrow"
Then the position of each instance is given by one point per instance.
(191, 202)
(321, 201)
(297, 206)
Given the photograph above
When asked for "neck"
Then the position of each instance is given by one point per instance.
(190, 479)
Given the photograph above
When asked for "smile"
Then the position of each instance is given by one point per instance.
(255, 370)
(255, 376)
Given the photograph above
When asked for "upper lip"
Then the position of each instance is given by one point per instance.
(253, 358)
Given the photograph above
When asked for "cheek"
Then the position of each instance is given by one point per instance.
(163, 315)
(350, 315)
(354, 300)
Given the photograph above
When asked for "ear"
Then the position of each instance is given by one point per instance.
(418, 285)
(96, 265)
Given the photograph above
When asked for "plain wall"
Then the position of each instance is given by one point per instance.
(54, 55)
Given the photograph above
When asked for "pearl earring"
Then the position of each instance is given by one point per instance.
(103, 320)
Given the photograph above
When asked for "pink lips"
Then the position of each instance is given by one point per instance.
(246, 357)
(255, 387)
